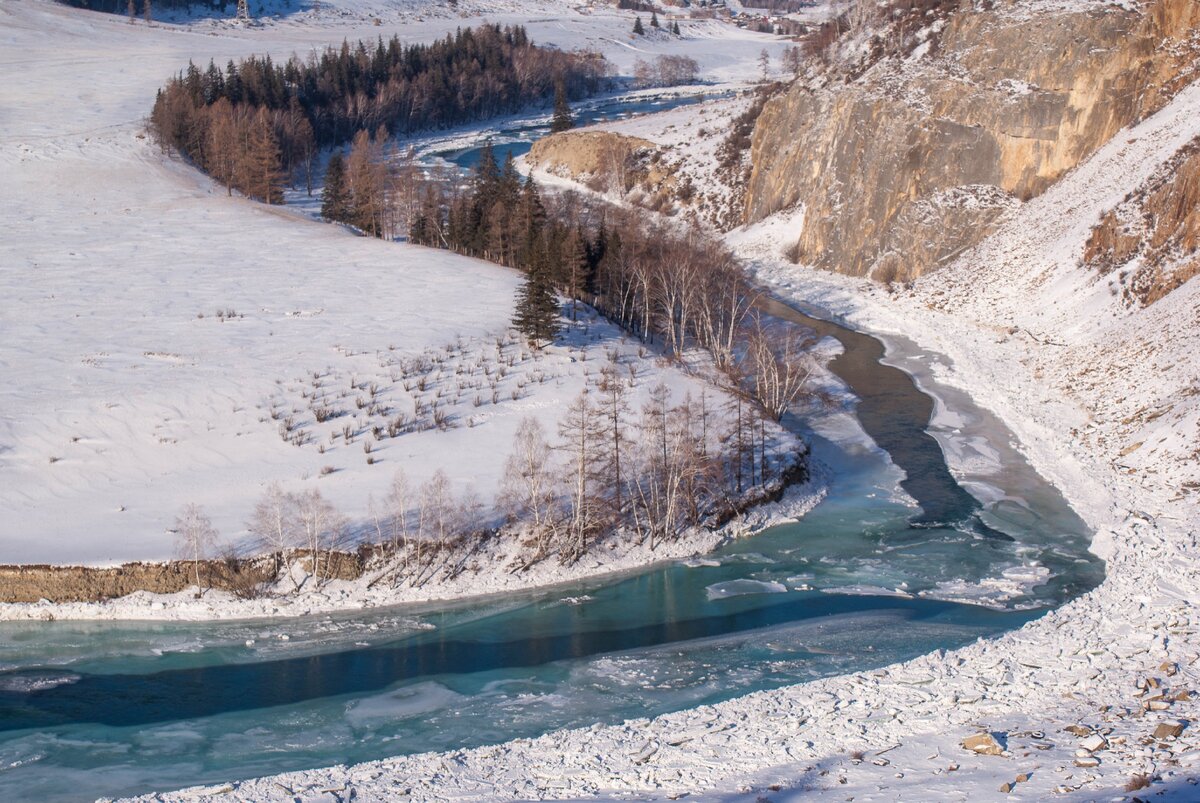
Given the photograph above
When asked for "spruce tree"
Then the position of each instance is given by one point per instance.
(653, 19)
(537, 312)
(334, 200)
(562, 120)
(637, 26)
(675, 28)
(531, 214)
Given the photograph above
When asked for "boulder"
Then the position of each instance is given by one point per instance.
(1169, 729)
(985, 744)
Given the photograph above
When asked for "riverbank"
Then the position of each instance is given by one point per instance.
(1095, 699)
(489, 570)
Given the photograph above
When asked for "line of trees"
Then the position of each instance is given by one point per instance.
(675, 288)
(256, 123)
(373, 187)
(665, 71)
(134, 7)
(656, 472)
(653, 473)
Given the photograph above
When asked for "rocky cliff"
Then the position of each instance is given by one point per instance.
(1152, 239)
(902, 165)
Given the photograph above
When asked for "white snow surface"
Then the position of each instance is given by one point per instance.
(1021, 327)
(156, 334)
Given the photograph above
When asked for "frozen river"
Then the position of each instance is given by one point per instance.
(866, 579)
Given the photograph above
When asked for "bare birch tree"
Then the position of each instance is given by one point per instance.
(527, 492)
(781, 366)
(195, 538)
(323, 528)
(276, 523)
(399, 501)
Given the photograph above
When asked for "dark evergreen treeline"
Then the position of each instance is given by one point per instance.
(679, 288)
(256, 121)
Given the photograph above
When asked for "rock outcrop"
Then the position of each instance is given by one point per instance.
(1152, 239)
(605, 161)
(903, 166)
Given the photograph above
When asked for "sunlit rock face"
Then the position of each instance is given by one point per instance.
(903, 165)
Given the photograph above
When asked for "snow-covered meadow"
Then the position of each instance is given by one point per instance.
(157, 335)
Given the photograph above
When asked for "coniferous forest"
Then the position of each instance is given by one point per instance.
(256, 122)
(676, 287)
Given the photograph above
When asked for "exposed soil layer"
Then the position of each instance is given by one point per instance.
(248, 577)
(90, 584)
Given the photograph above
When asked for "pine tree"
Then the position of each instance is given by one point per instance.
(654, 19)
(537, 311)
(531, 218)
(487, 171)
(675, 28)
(334, 202)
(637, 26)
(562, 120)
(575, 268)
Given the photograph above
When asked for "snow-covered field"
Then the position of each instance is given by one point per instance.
(157, 334)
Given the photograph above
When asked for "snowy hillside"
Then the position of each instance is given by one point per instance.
(158, 335)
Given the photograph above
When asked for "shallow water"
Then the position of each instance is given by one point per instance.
(518, 138)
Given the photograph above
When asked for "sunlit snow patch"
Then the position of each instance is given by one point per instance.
(994, 592)
(868, 591)
(410, 701)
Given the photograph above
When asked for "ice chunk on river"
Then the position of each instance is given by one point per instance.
(735, 588)
(410, 701)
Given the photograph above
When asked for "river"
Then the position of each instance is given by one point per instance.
(113, 708)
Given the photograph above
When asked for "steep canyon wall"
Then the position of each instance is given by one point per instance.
(904, 165)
